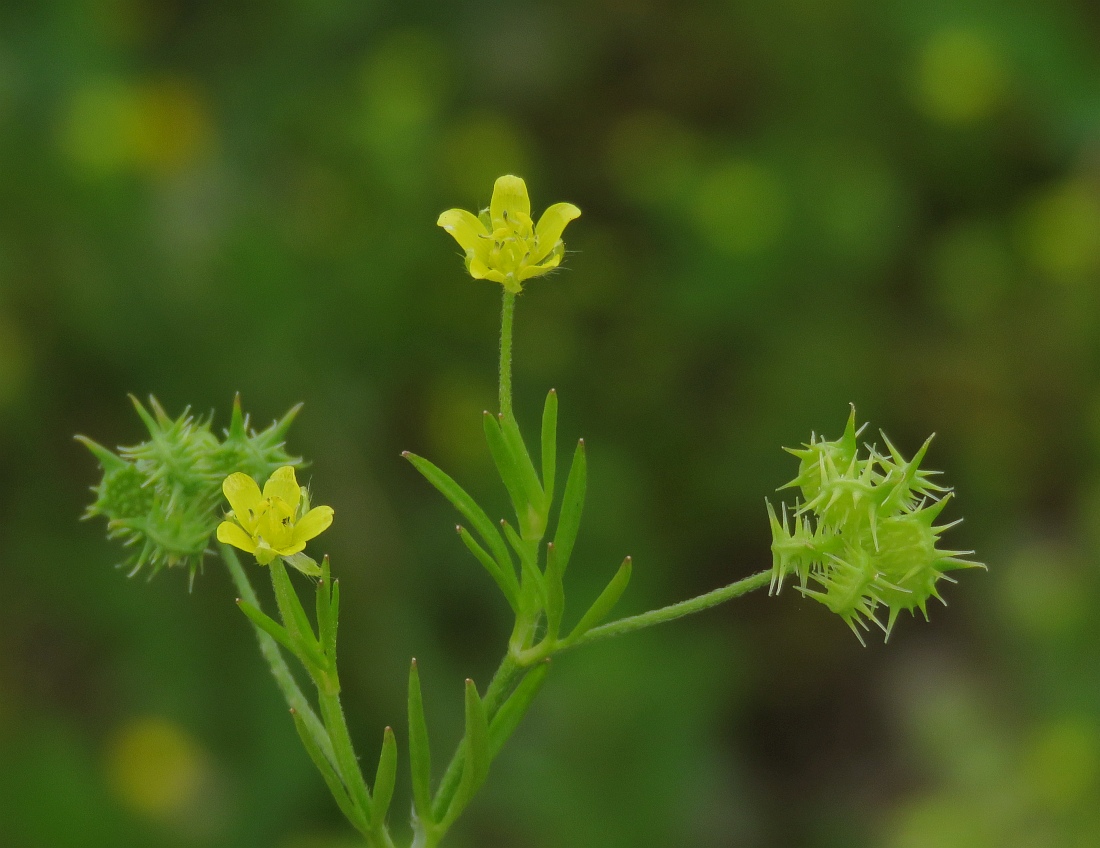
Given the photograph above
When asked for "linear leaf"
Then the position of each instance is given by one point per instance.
(572, 505)
(385, 777)
(505, 463)
(324, 607)
(294, 616)
(534, 523)
(354, 814)
(555, 592)
(506, 580)
(549, 444)
(419, 754)
(527, 552)
(268, 625)
(604, 603)
(475, 767)
(466, 505)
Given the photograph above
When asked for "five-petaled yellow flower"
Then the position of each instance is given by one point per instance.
(502, 244)
(276, 522)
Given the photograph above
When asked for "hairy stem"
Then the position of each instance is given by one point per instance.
(284, 678)
(671, 613)
(506, 313)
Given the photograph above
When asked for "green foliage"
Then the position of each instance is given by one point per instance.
(163, 496)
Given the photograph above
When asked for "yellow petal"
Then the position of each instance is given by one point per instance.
(510, 200)
(550, 227)
(233, 534)
(291, 549)
(545, 268)
(467, 230)
(244, 496)
(479, 270)
(313, 523)
(283, 485)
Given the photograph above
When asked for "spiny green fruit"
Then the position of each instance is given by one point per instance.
(864, 535)
(162, 497)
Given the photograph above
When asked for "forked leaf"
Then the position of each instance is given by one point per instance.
(419, 753)
(467, 506)
(513, 710)
(572, 505)
(604, 603)
(385, 777)
(549, 444)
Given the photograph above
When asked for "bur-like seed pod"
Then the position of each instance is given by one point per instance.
(864, 537)
(162, 497)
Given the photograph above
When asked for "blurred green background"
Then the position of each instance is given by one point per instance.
(789, 205)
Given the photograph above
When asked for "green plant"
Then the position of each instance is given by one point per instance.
(863, 535)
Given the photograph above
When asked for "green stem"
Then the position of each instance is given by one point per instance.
(671, 613)
(507, 675)
(328, 689)
(506, 313)
(284, 679)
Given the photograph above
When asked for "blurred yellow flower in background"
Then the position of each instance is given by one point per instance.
(502, 244)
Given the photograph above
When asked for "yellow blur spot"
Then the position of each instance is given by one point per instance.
(961, 77)
(1063, 762)
(156, 126)
(942, 822)
(741, 209)
(1061, 231)
(155, 768)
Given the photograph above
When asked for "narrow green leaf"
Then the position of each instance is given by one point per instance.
(549, 444)
(555, 592)
(513, 710)
(467, 506)
(334, 614)
(385, 778)
(294, 616)
(604, 603)
(572, 504)
(475, 767)
(526, 551)
(419, 752)
(505, 463)
(505, 580)
(268, 625)
(353, 813)
(533, 523)
(324, 607)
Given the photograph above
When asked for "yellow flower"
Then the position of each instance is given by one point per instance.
(277, 522)
(502, 244)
